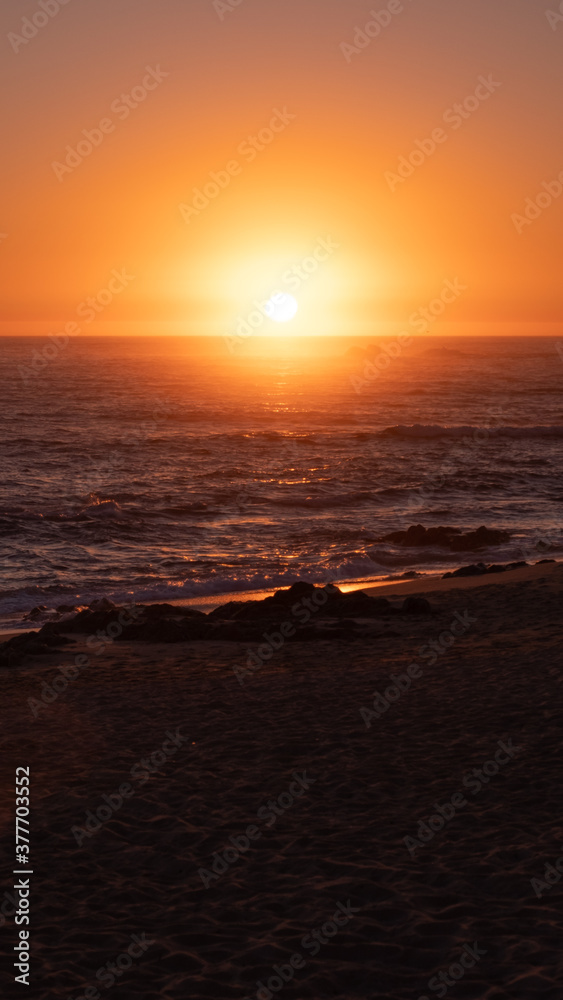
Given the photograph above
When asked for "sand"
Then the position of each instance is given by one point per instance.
(350, 795)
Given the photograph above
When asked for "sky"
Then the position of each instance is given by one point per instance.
(169, 166)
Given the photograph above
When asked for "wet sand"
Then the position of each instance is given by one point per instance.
(346, 788)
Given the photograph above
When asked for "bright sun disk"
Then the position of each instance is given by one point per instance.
(282, 307)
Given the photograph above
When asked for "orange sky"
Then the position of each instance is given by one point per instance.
(331, 172)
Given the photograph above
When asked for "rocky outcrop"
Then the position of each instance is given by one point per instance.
(15, 650)
(479, 569)
(450, 538)
(302, 601)
(312, 613)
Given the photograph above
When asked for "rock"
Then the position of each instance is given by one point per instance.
(296, 592)
(64, 609)
(50, 634)
(102, 604)
(333, 604)
(356, 604)
(447, 537)
(237, 621)
(417, 535)
(169, 611)
(475, 570)
(478, 539)
(12, 651)
(416, 606)
(15, 650)
(542, 562)
(479, 569)
(87, 621)
(230, 610)
(278, 607)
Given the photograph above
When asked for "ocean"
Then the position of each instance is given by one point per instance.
(167, 468)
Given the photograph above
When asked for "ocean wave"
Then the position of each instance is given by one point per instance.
(324, 502)
(438, 430)
(95, 509)
(12, 601)
(101, 508)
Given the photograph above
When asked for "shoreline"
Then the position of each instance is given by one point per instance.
(426, 583)
(378, 586)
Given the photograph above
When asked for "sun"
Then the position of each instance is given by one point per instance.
(281, 307)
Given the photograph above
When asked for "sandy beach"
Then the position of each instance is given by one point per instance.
(156, 761)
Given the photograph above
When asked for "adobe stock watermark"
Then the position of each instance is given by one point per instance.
(287, 452)
(220, 179)
(122, 107)
(373, 369)
(551, 876)
(475, 781)
(468, 959)
(420, 321)
(97, 643)
(312, 943)
(140, 772)
(455, 460)
(224, 7)
(555, 18)
(302, 611)
(31, 26)
(363, 37)
(111, 971)
(293, 278)
(426, 315)
(454, 117)
(117, 458)
(401, 683)
(88, 310)
(269, 813)
(534, 207)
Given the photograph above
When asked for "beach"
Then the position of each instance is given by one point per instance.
(281, 548)
(225, 819)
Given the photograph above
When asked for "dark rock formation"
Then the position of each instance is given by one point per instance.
(35, 613)
(14, 651)
(447, 537)
(303, 600)
(479, 569)
(298, 611)
(479, 539)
